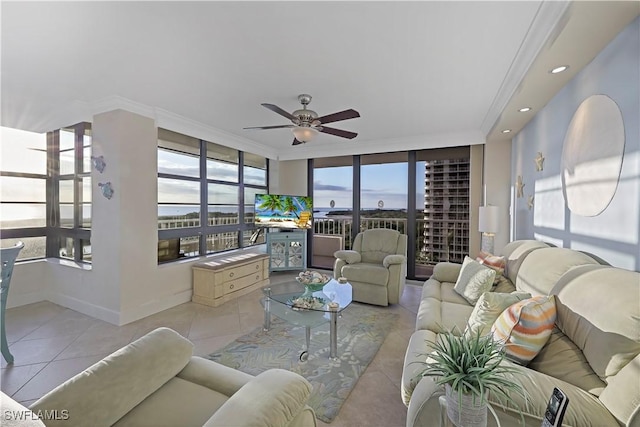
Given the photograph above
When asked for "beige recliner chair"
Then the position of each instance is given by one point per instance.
(376, 267)
(155, 381)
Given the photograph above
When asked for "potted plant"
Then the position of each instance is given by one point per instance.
(469, 366)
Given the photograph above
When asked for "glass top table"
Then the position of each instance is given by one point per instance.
(301, 306)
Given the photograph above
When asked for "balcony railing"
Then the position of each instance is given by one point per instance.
(443, 241)
(426, 252)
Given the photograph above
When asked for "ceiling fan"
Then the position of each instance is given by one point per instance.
(306, 124)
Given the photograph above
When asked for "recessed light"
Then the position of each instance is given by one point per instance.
(525, 109)
(506, 131)
(559, 69)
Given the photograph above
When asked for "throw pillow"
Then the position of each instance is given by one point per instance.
(525, 327)
(497, 263)
(488, 308)
(474, 280)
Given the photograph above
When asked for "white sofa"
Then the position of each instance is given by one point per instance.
(593, 353)
(155, 381)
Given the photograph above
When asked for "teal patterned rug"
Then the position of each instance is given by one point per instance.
(361, 331)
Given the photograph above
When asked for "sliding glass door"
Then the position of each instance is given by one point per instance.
(423, 194)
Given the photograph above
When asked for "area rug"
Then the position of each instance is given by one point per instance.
(361, 331)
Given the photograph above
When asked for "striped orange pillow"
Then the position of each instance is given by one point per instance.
(498, 263)
(525, 327)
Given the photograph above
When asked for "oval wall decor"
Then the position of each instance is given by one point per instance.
(592, 156)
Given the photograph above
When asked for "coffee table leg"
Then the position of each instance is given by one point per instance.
(267, 309)
(333, 335)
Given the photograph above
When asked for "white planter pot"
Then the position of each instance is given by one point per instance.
(465, 413)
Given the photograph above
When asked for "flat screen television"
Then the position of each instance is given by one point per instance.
(283, 211)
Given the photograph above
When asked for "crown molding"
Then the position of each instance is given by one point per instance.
(549, 21)
(313, 150)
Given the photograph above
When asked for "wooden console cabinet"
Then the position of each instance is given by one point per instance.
(223, 279)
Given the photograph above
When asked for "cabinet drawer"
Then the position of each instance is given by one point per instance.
(243, 282)
(243, 270)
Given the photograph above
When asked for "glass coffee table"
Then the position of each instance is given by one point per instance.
(300, 306)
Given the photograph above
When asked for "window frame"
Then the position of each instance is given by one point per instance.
(202, 231)
(52, 231)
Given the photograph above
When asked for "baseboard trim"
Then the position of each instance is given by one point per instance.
(84, 307)
(24, 299)
(155, 306)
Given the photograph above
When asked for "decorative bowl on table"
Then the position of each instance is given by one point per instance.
(306, 303)
(312, 280)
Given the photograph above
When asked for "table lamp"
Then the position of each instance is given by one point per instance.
(488, 225)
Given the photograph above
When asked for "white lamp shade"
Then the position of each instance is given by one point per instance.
(488, 219)
(304, 133)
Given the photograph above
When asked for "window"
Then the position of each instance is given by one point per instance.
(69, 233)
(204, 189)
(426, 191)
(45, 188)
(23, 191)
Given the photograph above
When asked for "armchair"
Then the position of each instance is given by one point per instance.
(155, 381)
(376, 266)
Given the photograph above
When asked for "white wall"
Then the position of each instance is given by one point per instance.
(124, 282)
(292, 178)
(614, 235)
(497, 177)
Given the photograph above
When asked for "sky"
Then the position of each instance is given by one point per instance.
(22, 151)
(380, 182)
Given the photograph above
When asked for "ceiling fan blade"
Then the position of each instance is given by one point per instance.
(338, 132)
(279, 110)
(336, 117)
(296, 142)
(270, 127)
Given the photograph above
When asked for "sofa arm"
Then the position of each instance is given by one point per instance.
(446, 272)
(349, 256)
(273, 398)
(106, 391)
(214, 376)
(393, 260)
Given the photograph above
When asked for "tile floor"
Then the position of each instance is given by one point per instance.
(51, 343)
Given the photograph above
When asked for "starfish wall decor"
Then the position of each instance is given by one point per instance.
(539, 162)
(519, 187)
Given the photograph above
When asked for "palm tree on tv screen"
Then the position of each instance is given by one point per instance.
(271, 202)
(297, 204)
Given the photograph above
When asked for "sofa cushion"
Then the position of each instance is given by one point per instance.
(544, 267)
(562, 359)
(177, 403)
(439, 316)
(584, 409)
(442, 291)
(488, 308)
(474, 280)
(606, 324)
(515, 252)
(525, 327)
(375, 274)
(106, 391)
(378, 243)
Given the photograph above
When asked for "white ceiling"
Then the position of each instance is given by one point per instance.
(421, 74)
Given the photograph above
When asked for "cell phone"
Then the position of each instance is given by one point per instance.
(555, 409)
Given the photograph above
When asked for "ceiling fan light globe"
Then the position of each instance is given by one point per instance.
(304, 133)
